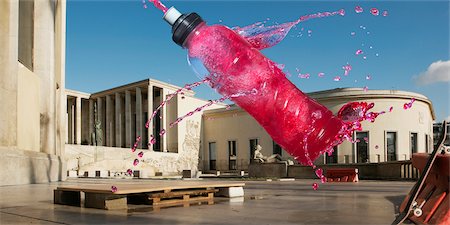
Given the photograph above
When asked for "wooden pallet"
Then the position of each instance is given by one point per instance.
(158, 195)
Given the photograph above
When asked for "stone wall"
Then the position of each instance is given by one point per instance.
(116, 160)
(25, 167)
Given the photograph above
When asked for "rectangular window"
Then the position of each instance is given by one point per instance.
(413, 143)
(362, 147)
(427, 144)
(232, 152)
(391, 146)
(26, 33)
(333, 158)
(253, 144)
(212, 155)
(277, 148)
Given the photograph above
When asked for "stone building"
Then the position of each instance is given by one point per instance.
(102, 129)
(230, 136)
(32, 65)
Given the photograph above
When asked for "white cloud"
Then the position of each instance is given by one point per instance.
(438, 71)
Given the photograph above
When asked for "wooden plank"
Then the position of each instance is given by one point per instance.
(181, 193)
(188, 199)
(126, 188)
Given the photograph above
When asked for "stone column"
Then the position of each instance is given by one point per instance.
(150, 112)
(119, 119)
(128, 131)
(91, 121)
(8, 72)
(100, 110)
(139, 120)
(164, 121)
(109, 122)
(43, 67)
(78, 120)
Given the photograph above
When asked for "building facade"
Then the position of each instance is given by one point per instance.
(230, 135)
(32, 81)
(103, 127)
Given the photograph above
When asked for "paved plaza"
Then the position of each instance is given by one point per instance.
(265, 202)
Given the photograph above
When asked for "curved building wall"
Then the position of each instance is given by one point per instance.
(221, 126)
(404, 122)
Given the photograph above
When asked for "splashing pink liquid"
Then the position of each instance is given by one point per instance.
(315, 186)
(261, 37)
(358, 52)
(358, 9)
(409, 104)
(140, 154)
(135, 162)
(278, 106)
(159, 5)
(337, 78)
(347, 68)
(391, 108)
(304, 76)
(113, 189)
(374, 11)
(129, 172)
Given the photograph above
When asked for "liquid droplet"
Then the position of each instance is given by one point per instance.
(113, 189)
(374, 11)
(315, 186)
(391, 108)
(376, 146)
(368, 77)
(140, 154)
(129, 172)
(135, 162)
(337, 78)
(385, 13)
(321, 74)
(319, 173)
(358, 52)
(358, 9)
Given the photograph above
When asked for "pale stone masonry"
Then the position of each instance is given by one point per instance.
(32, 91)
(128, 108)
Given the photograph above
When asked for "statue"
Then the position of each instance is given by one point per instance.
(98, 134)
(263, 159)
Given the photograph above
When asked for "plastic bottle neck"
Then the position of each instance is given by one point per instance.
(182, 24)
(194, 33)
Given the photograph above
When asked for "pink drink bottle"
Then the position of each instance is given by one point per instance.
(300, 125)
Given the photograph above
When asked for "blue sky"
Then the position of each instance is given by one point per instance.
(111, 43)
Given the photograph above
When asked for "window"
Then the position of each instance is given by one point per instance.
(413, 143)
(212, 155)
(26, 33)
(362, 147)
(276, 148)
(391, 146)
(232, 151)
(253, 144)
(333, 158)
(427, 144)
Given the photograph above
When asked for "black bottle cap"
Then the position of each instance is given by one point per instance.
(183, 26)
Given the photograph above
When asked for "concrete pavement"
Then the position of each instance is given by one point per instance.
(275, 202)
